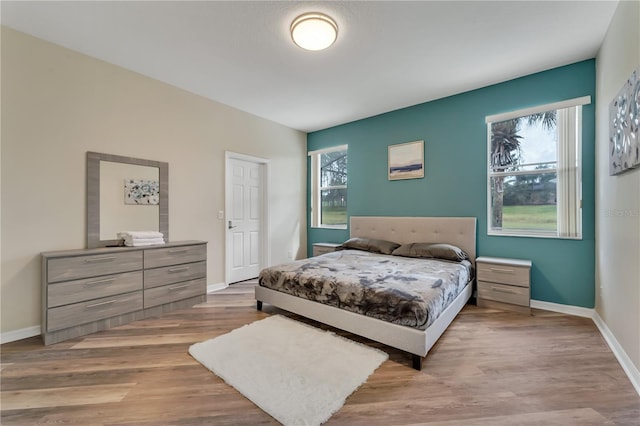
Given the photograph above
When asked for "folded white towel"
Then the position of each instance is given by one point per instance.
(140, 242)
(140, 234)
(143, 240)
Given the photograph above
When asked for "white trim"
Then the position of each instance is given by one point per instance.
(563, 309)
(524, 172)
(315, 214)
(568, 170)
(625, 362)
(329, 226)
(23, 333)
(266, 208)
(330, 149)
(631, 370)
(327, 188)
(246, 157)
(531, 234)
(488, 181)
(216, 287)
(495, 118)
(528, 165)
(314, 173)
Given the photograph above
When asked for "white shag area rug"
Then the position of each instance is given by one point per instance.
(298, 374)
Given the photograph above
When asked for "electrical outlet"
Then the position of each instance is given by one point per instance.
(290, 255)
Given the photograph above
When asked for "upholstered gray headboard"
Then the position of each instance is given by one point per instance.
(459, 231)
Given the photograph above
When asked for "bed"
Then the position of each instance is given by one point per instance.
(414, 333)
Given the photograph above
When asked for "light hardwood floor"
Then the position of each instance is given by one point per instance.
(489, 368)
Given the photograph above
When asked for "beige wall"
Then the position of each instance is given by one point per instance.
(618, 197)
(58, 104)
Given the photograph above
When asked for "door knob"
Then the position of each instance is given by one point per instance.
(231, 226)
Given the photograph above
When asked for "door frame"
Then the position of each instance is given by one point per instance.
(265, 237)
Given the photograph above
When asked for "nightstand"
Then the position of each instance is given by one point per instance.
(504, 283)
(322, 248)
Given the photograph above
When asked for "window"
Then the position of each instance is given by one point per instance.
(329, 187)
(534, 171)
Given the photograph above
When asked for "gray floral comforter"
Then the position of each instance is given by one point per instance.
(405, 291)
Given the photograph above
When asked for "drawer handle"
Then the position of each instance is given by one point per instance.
(97, 282)
(174, 270)
(108, 302)
(502, 270)
(99, 259)
(503, 290)
(178, 287)
(177, 251)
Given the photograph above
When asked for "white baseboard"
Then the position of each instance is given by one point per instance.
(563, 309)
(23, 333)
(625, 362)
(215, 287)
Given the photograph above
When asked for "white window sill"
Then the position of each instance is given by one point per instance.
(329, 227)
(516, 233)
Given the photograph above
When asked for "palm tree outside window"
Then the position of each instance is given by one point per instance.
(534, 171)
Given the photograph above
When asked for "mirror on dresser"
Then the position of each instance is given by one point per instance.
(107, 211)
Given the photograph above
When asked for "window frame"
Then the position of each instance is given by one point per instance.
(316, 189)
(562, 105)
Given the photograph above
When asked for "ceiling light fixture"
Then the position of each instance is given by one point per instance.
(314, 31)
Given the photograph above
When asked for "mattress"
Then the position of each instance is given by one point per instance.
(405, 291)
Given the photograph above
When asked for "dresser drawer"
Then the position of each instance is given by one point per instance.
(68, 292)
(503, 293)
(173, 274)
(507, 274)
(71, 268)
(174, 255)
(97, 309)
(173, 292)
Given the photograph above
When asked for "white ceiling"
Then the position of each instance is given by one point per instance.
(389, 54)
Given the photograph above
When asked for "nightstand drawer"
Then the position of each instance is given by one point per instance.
(323, 248)
(507, 274)
(503, 293)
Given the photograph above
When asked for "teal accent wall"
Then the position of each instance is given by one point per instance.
(455, 136)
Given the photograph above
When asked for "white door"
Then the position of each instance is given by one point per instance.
(244, 219)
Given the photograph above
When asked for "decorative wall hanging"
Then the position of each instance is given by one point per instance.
(624, 122)
(406, 160)
(141, 191)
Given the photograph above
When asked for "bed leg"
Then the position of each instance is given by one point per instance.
(416, 361)
(259, 305)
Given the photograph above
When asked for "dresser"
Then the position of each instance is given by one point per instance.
(504, 283)
(84, 291)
